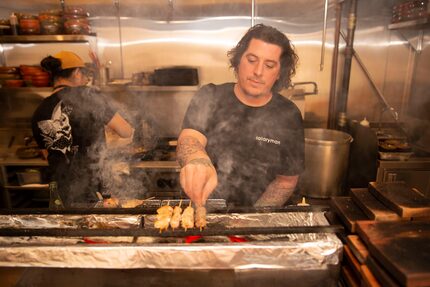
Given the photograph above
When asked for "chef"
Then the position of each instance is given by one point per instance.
(243, 141)
(70, 126)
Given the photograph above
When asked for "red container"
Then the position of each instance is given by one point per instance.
(29, 26)
(40, 83)
(14, 83)
(30, 70)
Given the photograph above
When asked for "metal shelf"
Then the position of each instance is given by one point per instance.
(412, 24)
(46, 38)
(133, 88)
(28, 187)
(157, 165)
(27, 89)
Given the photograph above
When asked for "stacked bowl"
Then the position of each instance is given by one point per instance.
(76, 21)
(51, 22)
(9, 77)
(29, 24)
(34, 76)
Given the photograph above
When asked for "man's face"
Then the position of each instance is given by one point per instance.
(259, 68)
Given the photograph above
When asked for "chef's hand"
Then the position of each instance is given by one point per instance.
(198, 179)
(198, 176)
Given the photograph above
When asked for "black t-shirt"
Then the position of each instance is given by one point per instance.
(70, 125)
(249, 146)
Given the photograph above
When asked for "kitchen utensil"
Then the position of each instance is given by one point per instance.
(99, 203)
(325, 150)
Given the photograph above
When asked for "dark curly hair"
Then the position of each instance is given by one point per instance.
(53, 67)
(270, 35)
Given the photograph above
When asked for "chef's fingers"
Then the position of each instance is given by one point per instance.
(185, 182)
(209, 187)
(182, 178)
(199, 181)
(192, 181)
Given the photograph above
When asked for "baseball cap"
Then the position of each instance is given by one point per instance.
(69, 60)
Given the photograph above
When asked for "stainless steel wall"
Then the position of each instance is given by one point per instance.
(200, 32)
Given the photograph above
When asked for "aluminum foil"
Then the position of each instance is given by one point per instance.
(36, 221)
(290, 251)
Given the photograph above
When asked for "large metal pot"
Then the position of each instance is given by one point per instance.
(326, 163)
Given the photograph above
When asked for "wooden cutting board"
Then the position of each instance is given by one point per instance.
(351, 261)
(347, 211)
(402, 199)
(368, 279)
(357, 247)
(380, 273)
(371, 206)
(402, 248)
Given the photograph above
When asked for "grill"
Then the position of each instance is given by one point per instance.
(288, 239)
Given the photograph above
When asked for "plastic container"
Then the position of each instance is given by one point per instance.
(326, 162)
(29, 26)
(77, 26)
(51, 27)
(13, 20)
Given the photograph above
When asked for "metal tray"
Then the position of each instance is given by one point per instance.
(395, 155)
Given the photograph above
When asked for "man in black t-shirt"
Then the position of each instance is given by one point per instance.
(243, 141)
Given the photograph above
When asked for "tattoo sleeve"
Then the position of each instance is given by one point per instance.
(276, 194)
(203, 161)
(187, 147)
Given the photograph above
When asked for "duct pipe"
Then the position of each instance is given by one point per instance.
(118, 16)
(324, 34)
(349, 51)
(331, 124)
(253, 13)
(385, 105)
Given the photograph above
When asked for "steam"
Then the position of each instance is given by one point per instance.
(108, 169)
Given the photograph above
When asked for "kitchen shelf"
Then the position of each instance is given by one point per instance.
(157, 165)
(163, 88)
(46, 38)
(28, 187)
(133, 88)
(110, 88)
(27, 89)
(412, 24)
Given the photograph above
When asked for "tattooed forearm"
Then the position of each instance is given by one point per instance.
(202, 161)
(276, 194)
(188, 146)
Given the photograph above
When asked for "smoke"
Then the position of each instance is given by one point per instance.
(103, 167)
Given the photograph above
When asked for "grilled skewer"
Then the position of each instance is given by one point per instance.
(176, 217)
(201, 217)
(164, 214)
(188, 217)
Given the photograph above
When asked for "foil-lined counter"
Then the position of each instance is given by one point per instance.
(314, 251)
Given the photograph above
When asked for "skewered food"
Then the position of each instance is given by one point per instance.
(131, 203)
(176, 217)
(188, 217)
(164, 214)
(201, 217)
(111, 202)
